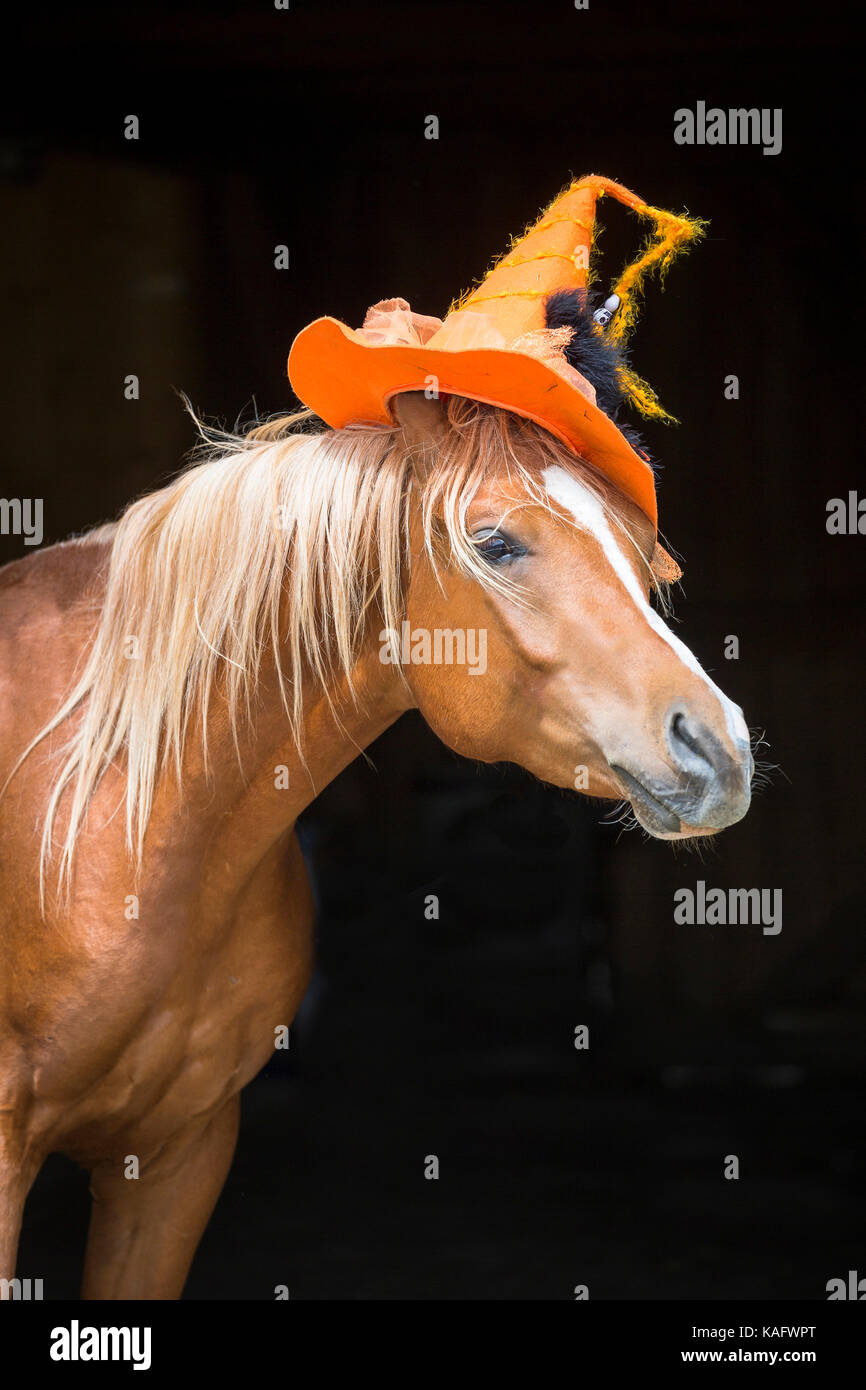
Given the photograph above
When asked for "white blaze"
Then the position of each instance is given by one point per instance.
(588, 512)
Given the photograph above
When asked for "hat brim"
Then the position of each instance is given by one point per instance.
(346, 380)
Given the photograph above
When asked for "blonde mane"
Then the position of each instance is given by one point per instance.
(276, 540)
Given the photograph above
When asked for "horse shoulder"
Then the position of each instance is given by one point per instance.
(49, 604)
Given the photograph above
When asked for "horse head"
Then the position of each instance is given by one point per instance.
(584, 684)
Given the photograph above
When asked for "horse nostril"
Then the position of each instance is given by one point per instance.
(713, 786)
(682, 738)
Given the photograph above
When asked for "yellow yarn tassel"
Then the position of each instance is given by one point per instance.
(670, 236)
(643, 397)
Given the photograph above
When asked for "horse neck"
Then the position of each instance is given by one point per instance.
(338, 726)
(258, 800)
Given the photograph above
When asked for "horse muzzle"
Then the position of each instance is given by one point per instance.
(709, 790)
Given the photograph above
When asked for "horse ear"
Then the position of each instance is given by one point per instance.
(664, 567)
(423, 421)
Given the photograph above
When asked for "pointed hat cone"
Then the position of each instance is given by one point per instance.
(494, 345)
(552, 255)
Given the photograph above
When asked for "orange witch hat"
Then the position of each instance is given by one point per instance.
(495, 344)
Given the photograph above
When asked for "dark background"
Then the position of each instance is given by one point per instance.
(455, 1037)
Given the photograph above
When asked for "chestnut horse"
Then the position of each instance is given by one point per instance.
(178, 686)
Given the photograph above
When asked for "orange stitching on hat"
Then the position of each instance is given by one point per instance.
(573, 221)
(507, 294)
(542, 256)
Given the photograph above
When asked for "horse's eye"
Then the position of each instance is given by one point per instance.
(497, 548)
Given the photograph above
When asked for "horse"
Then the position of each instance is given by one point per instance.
(179, 685)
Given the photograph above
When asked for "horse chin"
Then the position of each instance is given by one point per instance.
(657, 818)
(685, 832)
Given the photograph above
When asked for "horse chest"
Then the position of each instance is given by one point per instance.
(216, 1025)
